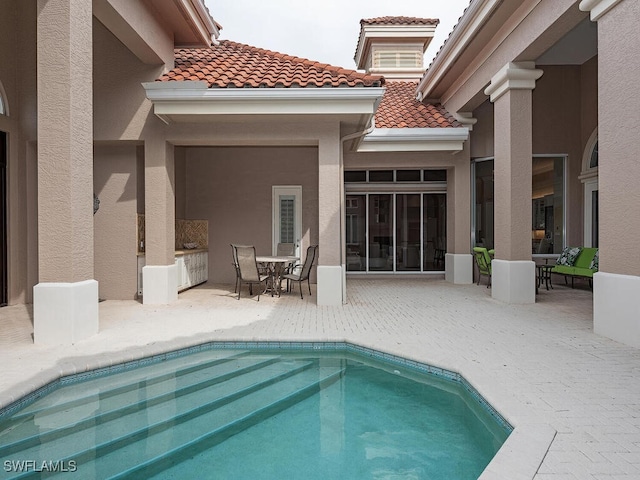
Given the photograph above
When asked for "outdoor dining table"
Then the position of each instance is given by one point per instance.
(275, 265)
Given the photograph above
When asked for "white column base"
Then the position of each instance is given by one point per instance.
(458, 268)
(514, 281)
(616, 307)
(329, 285)
(159, 284)
(65, 313)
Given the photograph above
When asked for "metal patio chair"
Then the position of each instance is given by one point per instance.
(248, 269)
(306, 269)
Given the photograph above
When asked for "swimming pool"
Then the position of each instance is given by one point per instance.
(244, 410)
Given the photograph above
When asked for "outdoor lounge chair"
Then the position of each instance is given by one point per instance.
(483, 262)
(306, 269)
(248, 268)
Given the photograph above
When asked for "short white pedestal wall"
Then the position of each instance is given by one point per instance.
(616, 307)
(458, 268)
(513, 281)
(65, 313)
(330, 285)
(159, 284)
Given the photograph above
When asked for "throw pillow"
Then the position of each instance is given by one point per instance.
(594, 262)
(568, 256)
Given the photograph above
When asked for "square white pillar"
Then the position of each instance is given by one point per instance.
(616, 307)
(513, 281)
(65, 313)
(159, 284)
(458, 268)
(330, 285)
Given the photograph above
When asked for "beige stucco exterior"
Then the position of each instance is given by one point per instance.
(75, 80)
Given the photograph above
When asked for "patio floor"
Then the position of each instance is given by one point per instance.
(573, 396)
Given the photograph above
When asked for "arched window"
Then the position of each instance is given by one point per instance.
(593, 162)
(4, 109)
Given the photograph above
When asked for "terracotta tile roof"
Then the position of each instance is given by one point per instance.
(235, 65)
(400, 109)
(399, 21)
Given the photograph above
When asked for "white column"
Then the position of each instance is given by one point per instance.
(66, 297)
(160, 274)
(330, 269)
(513, 271)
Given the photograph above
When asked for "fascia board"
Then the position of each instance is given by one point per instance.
(200, 20)
(470, 23)
(415, 140)
(188, 98)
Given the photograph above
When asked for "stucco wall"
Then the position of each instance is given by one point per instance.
(17, 67)
(121, 109)
(231, 187)
(115, 178)
(619, 138)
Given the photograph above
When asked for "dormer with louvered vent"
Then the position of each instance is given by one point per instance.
(394, 46)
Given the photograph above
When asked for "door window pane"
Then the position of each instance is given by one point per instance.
(483, 204)
(380, 232)
(287, 215)
(548, 205)
(435, 231)
(408, 232)
(356, 207)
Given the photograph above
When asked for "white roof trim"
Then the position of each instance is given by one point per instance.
(476, 15)
(201, 20)
(189, 98)
(597, 8)
(415, 140)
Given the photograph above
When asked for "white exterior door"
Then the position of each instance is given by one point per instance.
(287, 217)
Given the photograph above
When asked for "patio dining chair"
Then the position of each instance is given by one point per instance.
(248, 268)
(306, 269)
(483, 262)
(285, 249)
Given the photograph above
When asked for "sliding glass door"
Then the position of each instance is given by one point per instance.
(395, 232)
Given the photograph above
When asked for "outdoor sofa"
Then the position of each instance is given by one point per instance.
(577, 262)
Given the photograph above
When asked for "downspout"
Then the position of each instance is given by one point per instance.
(343, 209)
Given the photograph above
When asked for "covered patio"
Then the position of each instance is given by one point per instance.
(565, 389)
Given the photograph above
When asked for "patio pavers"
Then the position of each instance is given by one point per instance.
(540, 365)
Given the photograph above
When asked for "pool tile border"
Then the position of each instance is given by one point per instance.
(347, 347)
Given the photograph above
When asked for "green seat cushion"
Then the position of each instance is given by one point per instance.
(583, 272)
(563, 269)
(584, 259)
(482, 259)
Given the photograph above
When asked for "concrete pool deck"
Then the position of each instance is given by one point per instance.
(573, 396)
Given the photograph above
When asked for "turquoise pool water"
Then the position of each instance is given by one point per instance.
(271, 414)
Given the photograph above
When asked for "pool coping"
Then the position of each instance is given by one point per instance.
(518, 458)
